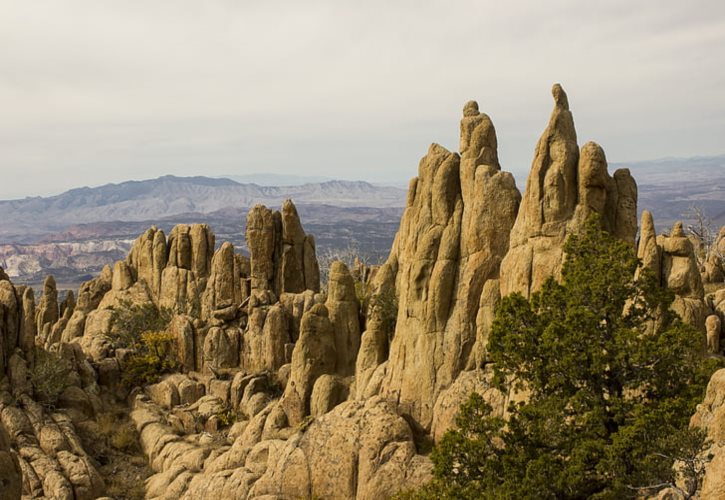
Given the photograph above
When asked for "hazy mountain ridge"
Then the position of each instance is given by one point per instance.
(668, 186)
(92, 226)
(170, 196)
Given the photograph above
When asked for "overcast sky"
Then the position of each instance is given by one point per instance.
(97, 91)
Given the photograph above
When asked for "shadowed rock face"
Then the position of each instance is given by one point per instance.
(11, 479)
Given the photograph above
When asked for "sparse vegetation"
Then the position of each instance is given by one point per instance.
(50, 376)
(306, 423)
(118, 433)
(384, 304)
(350, 255)
(131, 320)
(227, 417)
(153, 357)
(700, 225)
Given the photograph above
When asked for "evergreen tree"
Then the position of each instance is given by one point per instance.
(611, 377)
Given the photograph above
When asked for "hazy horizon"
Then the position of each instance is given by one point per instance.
(98, 92)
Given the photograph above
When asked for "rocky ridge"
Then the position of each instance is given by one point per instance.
(289, 388)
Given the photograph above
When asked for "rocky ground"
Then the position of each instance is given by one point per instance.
(265, 383)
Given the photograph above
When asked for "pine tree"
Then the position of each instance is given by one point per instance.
(612, 377)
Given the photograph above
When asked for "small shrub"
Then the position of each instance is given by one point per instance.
(50, 376)
(153, 357)
(130, 320)
(227, 417)
(384, 304)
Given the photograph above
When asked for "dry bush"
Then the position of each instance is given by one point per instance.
(50, 376)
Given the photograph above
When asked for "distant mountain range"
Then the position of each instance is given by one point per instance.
(74, 234)
(667, 187)
(171, 196)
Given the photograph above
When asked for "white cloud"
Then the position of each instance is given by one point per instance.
(93, 91)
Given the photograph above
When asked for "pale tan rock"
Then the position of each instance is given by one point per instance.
(29, 329)
(680, 273)
(291, 274)
(221, 348)
(180, 291)
(86, 481)
(563, 188)
(91, 292)
(190, 391)
(328, 392)
(360, 450)
(282, 256)
(10, 322)
(625, 220)
(344, 313)
(182, 329)
(450, 400)
(223, 288)
(47, 312)
(191, 248)
(648, 250)
(165, 393)
(710, 416)
(263, 231)
(147, 259)
(264, 341)
(489, 300)
(17, 371)
(453, 235)
(96, 335)
(122, 278)
(712, 327)
(313, 355)
(138, 293)
(67, 306)
(296, 304)
(713, 272)
(220, 389)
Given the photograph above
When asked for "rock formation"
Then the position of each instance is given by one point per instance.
(282, 255)
(563, 188)
(672, 260)
(278, 394)
(453, 235)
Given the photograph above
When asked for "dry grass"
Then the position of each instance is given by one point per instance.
(113, 442)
